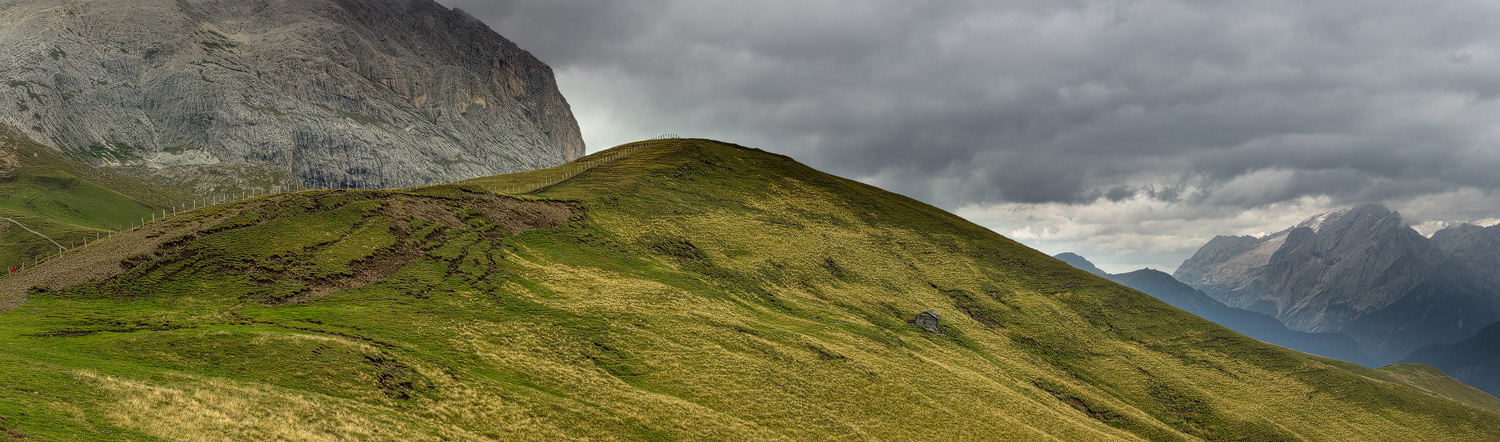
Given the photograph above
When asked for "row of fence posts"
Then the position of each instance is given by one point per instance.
(569, 171)
(158, 214)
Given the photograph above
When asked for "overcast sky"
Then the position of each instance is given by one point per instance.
(1130, 132)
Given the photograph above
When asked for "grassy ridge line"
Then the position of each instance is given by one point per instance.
(534, 181)
(670, 172)
(689, 291)
(1434, 381)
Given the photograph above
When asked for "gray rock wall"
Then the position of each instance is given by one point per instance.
(360, 93)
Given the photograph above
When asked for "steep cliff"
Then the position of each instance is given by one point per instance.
(313, 93)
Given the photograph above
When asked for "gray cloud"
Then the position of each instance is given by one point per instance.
(1216, 109)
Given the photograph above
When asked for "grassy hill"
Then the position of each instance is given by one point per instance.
(687, 290)
(63, 200)
(1475, 360)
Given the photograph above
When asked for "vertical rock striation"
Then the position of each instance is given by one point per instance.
(214, 93)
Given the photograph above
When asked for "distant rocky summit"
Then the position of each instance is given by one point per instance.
(272, 93)
(1478, 247)
(1361, 272)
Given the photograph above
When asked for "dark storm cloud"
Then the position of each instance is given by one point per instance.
(1223, 106)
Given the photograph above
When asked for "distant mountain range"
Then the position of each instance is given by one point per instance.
(1361, 272)
(1253, 324)
(218, 96)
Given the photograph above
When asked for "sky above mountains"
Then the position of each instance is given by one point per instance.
(1130, 132)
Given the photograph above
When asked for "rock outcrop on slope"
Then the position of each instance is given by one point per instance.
(1360, 272)
(314, 93)
(1257, 325)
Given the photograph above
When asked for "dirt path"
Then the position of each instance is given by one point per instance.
(28, 229)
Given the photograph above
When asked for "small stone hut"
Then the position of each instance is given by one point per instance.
(928, 321)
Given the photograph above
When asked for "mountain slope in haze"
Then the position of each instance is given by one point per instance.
(48, 201)
(687, 290)
(1478, 247)
(1475, 361)
(1253, 324)
(1360, 272)
(1076, 260)
(315, 93)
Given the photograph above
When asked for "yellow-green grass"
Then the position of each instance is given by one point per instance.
(1433, 380)
(692, 290)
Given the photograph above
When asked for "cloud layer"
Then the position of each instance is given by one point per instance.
(1128, 131)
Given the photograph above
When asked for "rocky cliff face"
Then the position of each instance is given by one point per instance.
(1360, 272)
(363, 93)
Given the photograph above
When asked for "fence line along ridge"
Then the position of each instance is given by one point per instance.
(569, 171)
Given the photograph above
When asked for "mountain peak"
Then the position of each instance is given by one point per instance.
(1360, 271)
(313, 93)
(1316, 222)
(1344, 217)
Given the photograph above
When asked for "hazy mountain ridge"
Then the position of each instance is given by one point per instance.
(1253, 324)
(1475, 361)
(365, 93)
(1360, 272)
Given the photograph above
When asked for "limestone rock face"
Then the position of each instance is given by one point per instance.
(360, 93)
(1360, 272)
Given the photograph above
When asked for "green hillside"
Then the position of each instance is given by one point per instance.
(1430, 378)
(63, 200)
(687, 290)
